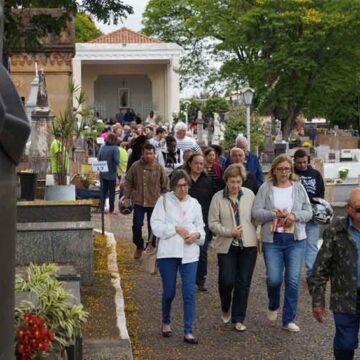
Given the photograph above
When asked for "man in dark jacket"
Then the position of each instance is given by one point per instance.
(339, 260)
(313, 183)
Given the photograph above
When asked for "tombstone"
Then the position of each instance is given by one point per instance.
(200, 128)
(32, 98)
(14, 132)
(217, 130)
(41, 134)
(268, 152)
(278, 133)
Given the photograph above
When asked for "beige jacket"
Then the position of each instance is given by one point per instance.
(144, 183)
(222, 220)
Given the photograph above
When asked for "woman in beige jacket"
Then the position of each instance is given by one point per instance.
(236, 244)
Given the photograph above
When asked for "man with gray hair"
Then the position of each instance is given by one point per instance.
(251, 162)
(339, 260)
(183, 141)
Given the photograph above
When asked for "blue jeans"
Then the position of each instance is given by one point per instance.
(346, 335)
(287, 254)
(168, 270)
(108, 186)
(312, 239)
(138, 222)
(202, 266)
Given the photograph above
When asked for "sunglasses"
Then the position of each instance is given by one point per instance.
(356, 209)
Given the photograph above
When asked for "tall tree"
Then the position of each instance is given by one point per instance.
(85, 28)
(299, 55)
(24, 30)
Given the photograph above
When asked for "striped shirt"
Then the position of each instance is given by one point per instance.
(187, 143)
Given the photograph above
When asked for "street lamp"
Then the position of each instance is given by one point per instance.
(247, 95)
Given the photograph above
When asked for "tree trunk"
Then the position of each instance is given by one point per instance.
(290, 120)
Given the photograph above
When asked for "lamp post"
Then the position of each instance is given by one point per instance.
(247, 95)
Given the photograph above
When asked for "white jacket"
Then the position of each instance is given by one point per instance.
(163, 222)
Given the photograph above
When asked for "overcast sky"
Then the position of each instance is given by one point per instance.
(133, 21)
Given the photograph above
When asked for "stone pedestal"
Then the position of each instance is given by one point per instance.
(41, 138)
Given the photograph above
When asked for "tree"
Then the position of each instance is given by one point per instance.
(24, 29)
(214, 104)
(237, 124)
(85, 29)
(299, 55)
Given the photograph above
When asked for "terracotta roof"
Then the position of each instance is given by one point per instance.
(125, 36)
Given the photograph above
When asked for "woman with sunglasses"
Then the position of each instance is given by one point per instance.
(282, 207)
(177, 222)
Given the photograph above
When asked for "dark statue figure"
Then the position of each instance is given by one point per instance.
(42, 95)
(14, 132)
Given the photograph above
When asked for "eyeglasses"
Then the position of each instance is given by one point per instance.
(283, 169)
(356, 209)
(179, 186)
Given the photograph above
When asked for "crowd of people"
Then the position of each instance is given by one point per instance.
(194, 197)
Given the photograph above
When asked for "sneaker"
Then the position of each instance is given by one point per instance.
(272, 315)
(240, 326)
(291, 327)
(138, 253)
(226, 317)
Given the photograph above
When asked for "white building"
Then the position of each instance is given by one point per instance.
(126, 69)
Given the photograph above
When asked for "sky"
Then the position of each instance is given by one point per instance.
(132, 22)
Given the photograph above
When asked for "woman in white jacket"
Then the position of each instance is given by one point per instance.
(177, 222)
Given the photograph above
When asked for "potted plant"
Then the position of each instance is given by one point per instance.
(48, 322)
(343, 172)
(66, 128)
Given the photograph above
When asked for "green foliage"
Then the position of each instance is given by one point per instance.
(25, 32)
(51, 302)
(193, 107)
(214, 104)
(299, 56)
(237, 124)
(68, 127)
(85, 28)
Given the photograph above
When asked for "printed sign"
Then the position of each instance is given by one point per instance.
(100, 166)
(100, 140)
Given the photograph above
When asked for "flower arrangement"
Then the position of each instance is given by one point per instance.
(49, 319)
(33, 337)
(343, 172)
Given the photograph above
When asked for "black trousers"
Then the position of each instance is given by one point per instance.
(235, 273)
(138, 222)
(203, 259)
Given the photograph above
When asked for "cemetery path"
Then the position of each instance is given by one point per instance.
(262, 341)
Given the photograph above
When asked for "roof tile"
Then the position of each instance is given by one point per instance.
(125, 36)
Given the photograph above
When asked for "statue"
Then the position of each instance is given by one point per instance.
(278, 133)
(42, 96)
(14, 132)
(217, 130)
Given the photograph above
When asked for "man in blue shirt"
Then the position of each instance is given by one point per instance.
(251, 163)
(339, 260)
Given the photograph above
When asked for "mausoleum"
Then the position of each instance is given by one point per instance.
(126, 69)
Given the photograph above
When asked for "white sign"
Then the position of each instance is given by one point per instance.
(100, 166)
(100, 140)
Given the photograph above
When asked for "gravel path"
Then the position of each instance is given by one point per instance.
(219, 341)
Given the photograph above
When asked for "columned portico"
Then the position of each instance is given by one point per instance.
(139, 75)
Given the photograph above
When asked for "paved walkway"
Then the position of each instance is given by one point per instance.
(218, 341)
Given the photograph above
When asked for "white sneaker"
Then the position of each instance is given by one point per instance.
(240, 327)
(272, 315)
(226, 317)
(291, 327)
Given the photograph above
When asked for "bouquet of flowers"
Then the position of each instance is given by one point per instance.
(33, 337)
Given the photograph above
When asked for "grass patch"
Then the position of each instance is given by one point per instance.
(128, 271)
(98, 299)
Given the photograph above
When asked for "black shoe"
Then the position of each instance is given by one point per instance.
(202, 288)
(192, 341)
(166, 333)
